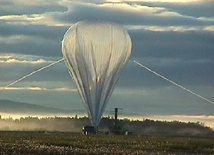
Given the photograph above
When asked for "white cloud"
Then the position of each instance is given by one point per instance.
(5, 56)
(24, 60)
(128, 8)
(22, 19)
(21, 59)
(17, 61)
(33, 19)
(169, 1)
(209, 28)
(37, 88)
(169, 28)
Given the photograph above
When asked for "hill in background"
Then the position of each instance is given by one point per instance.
(7, 106)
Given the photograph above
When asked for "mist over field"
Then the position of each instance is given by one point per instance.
(75, 124)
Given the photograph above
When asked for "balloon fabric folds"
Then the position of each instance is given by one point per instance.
(96, 53)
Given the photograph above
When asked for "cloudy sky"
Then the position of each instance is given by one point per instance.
(173, 37)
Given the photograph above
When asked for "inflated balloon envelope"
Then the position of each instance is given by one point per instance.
(96, 53)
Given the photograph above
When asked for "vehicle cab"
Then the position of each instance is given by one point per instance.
(87, 129)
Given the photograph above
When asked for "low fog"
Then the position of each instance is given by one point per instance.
(75, 124)
(41, 124)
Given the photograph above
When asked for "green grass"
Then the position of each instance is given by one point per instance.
(34, 143)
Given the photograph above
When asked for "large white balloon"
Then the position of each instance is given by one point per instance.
(95, 54)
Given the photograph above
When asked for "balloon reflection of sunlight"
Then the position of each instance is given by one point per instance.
(172, 82)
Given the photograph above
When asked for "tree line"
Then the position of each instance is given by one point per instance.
(75, 124)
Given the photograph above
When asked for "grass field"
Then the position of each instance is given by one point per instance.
(55, 143)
